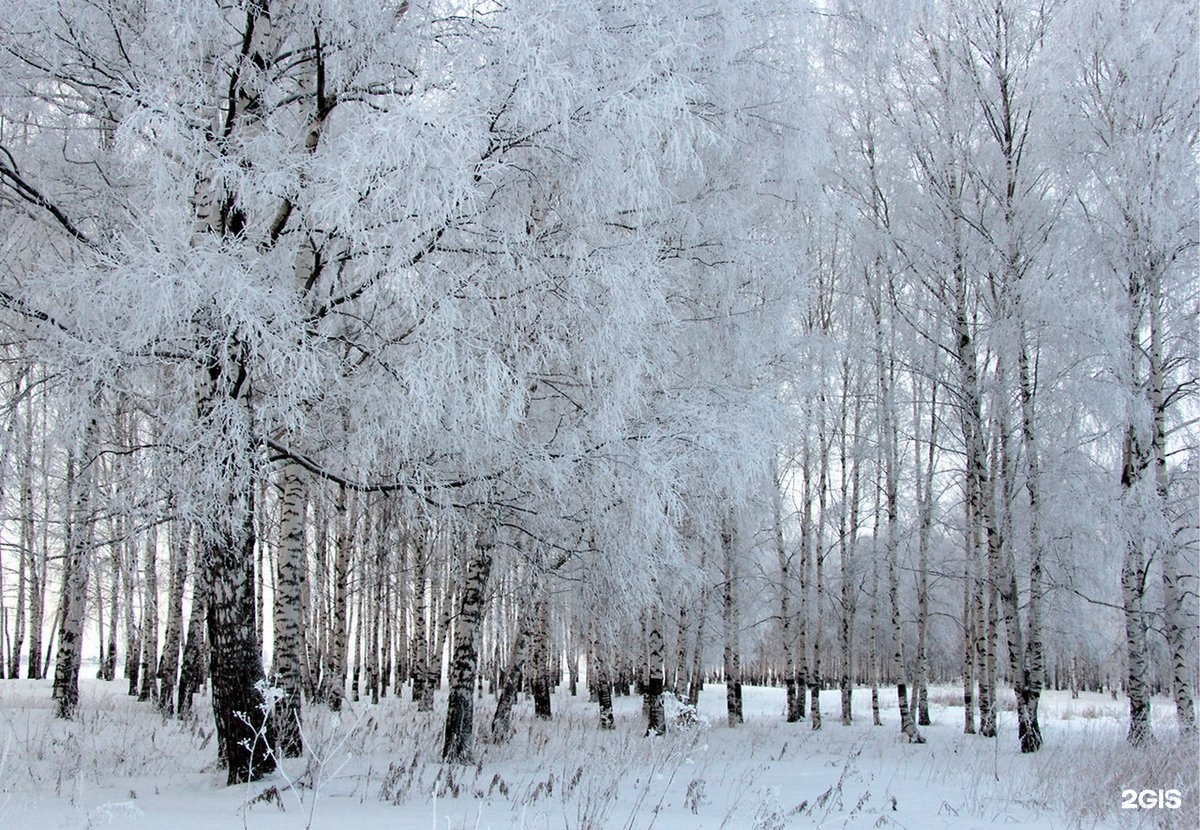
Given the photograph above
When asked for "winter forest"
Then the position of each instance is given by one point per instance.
(479, 414)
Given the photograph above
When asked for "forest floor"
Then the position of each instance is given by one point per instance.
(376, 766)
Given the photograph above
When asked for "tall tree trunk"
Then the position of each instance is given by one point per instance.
(458, 746)
(38, 574)
(168, 665)
(1174, 618)
(421, 693)
(148, 690)
(1176, 628)
(290, 612)
(816, 679)
(540, 679)
(73, 599)
(26, 541)
(133, 640)
(446, 597)
(732, 621)
(335, 680)
(802, 673)
(191, 668)
(108, 671)
(794, 695)
(1133, 587)
(510, 682)
(235, 666)
(970, 548)
(873, 646)
(907, 726)
(696, 672)
(924, 475)
(846, 552)
(656, 716)
(603, 680)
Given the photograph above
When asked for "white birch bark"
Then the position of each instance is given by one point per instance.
(732, 621)
(458, 745)
(76, 563)
(168, 666)
(290, 612)
(148, 686)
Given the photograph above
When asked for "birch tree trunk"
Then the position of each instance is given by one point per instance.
(696, 671)
(133, 640)
(874, 636)
(421, 693)
(168, 666)
(148, 688)
(802, 673)
(1133, 586)
(235, 664)
(732, 654)
(37, 570)
(794, 711)
(1034, 659)
(845, 555)
(109, 668)
(26, 540)
(540, 680)
(511, 679)
(816, 679)
(603, 680)
(335, 679)
(924, 475)
(1174, 619)
(73, 599)
(656, 716)
(290, 612)
(970, 546)
(191, 668)
(458, 746)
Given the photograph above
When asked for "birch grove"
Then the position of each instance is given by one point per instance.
(435, 350)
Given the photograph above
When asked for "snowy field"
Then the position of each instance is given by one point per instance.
(121, 765)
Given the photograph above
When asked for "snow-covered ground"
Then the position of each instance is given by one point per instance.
(121, 765)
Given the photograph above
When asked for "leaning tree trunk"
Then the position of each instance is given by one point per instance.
(510, 682)
(458, 746)
(290, 612)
